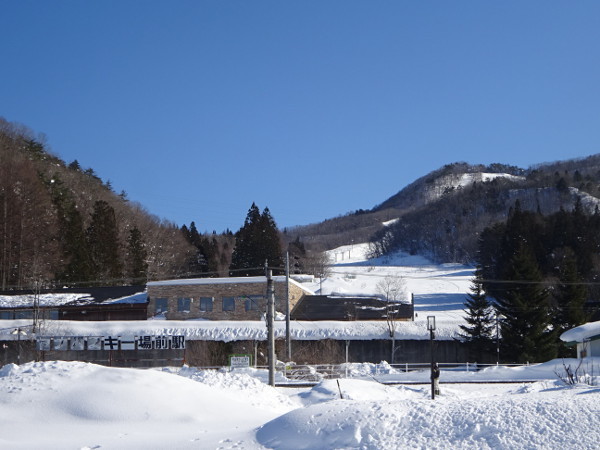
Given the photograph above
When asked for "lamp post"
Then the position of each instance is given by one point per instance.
(19, 332)
(431, 328)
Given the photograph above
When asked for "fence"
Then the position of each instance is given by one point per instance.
(311, 374)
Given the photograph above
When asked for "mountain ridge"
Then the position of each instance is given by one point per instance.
(455, 203)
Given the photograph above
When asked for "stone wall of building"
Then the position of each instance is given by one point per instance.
(190, 301)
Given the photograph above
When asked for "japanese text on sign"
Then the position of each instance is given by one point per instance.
(47, 343)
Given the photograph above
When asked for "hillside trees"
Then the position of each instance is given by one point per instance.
(46, 210)
(212, 254)
(256, 242)
(541, 270)
(198, 261)
(27, 250)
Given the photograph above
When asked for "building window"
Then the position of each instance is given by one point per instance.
(228, 304)
(6, 315)
(206, 304)
(161, 305)
(184, 304)
(25, 314)
(53, 314)
(253, 302)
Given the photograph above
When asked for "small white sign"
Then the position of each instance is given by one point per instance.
(239, 361)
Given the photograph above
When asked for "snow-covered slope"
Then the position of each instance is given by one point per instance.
(460, 180)
(437, 290)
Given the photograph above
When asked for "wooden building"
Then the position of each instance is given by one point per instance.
(94, 303)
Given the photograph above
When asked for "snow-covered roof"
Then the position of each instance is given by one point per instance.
(51, 300)
(590, 330)
(227, 331)
(45, 300)
(228, 280)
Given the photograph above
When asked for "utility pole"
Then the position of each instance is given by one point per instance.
(288, 337)
(271, 326)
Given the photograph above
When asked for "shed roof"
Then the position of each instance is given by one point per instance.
(325, 307)
(224, 280)
(587, 331)
(48, 298)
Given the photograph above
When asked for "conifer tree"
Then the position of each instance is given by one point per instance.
(198, 261)
(527, 335)
(103, 242)
(137, 266)
(76, 267)
(478, 333)
(256, 241)
(75, 248)
(570, 295)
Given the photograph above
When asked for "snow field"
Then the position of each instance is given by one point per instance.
(79, 405)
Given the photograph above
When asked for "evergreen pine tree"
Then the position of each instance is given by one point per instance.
(137, 266)
(270, 240)
(570, 295)
(478, 333)
(523, 305)
(75, 249)
(76, 267)
(103, 242)
(256, 241)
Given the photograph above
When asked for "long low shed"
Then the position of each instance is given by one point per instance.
(210, 343)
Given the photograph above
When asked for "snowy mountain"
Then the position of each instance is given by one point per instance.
(442, 213)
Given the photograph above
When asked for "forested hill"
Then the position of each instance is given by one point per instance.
(61, 225)
(442, 214)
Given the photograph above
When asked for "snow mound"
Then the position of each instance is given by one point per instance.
(241, 383)
(82, 405)
(359, 390)
(537, 420)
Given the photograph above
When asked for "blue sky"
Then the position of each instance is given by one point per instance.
(313, 108)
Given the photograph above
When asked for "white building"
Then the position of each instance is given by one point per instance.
(586, 337)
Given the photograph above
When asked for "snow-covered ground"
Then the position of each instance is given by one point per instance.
(74, 405)
(438, 289)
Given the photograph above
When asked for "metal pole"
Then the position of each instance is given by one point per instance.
(18, 346)
(288, 337)
(347, 346)
(432, 382)
(271, 326)
(497, 340)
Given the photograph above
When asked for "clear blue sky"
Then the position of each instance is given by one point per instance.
(313, 108)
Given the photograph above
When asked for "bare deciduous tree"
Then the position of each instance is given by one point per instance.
(393, 288)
